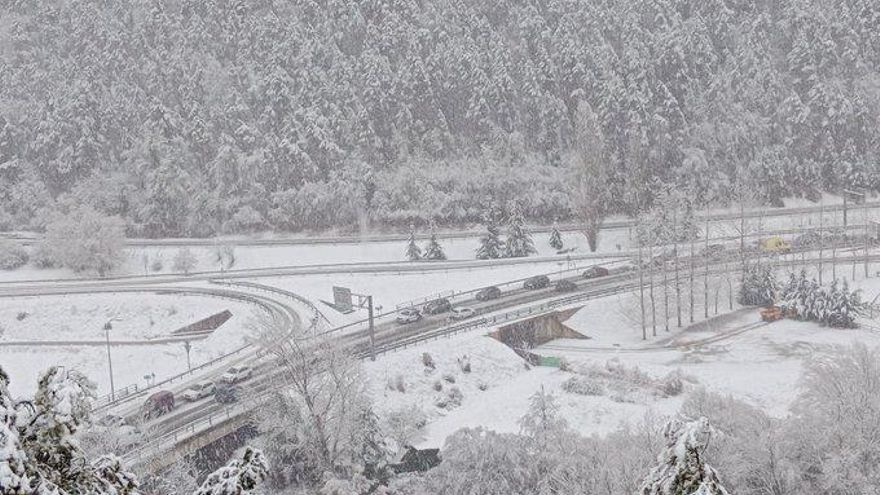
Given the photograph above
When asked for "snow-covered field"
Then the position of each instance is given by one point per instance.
(735, 355)
(133, 316)
(82, 317)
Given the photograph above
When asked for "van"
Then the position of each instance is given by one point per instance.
(160, 403)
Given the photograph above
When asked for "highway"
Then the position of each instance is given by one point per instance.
(389, 335)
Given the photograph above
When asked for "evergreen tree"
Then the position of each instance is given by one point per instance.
(433, 251)
(239, 477)
(519, 241)
(758, 287)
(556, 238)
(491, 246)
(681, 469)
(413, 251)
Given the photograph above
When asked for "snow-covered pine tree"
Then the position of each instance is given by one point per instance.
(413, 251)
(681, 469)
(844, 306)
(758, 286)
(239, 477)
(519, 241)
(556, 238)
(491, 246)
(433, 251)
(14, 478)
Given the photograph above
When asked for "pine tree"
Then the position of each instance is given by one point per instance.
(758, 286)
(681, 469)
(433, 251)
(556, 239)
(491, 246)
(239, 477)
(519, 241)
(413, 251)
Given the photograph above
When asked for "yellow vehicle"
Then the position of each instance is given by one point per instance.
(775, 244)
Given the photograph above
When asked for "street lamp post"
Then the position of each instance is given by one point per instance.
(188, 347)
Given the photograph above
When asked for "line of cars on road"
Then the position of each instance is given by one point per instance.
(225, 390)
(457, 313)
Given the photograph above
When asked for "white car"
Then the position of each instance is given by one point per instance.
(237, 374)
(198, 391)
(461, 313)
(408, 315)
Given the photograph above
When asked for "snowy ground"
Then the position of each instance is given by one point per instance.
(137, 316)
(734, 355)
(82, 317)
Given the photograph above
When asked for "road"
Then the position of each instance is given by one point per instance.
(389, 335)
(460, 234)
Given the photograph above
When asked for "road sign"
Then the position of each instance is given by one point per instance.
(342, 298)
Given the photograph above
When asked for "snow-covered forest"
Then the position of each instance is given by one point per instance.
(195, 117)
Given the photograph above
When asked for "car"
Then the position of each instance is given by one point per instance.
(408, 315)
(437, 306)
(595, 271)
(536, 282)
(198, 391)
(162, 402)
(226, 393)
(565, 286)
(775, 244)
(488, 293)
(461, 313)
(237, 374)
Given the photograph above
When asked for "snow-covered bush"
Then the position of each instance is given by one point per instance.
(428, 361)
(449, 378)
(12, 256)
(583, 386)
(404, 425)
(157, 263)
(83, 240)
(184, 260)
(464, 364)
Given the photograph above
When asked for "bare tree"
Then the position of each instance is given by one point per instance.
(319, 411)
(589, 174)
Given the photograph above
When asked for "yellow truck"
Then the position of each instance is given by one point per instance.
(775, 244)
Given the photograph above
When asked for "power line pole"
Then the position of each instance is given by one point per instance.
(641, 285)
(107, 327)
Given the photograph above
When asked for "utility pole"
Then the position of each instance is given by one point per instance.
(692, 269)
(865, 210)
(372, 328)
(675, 249)
(107, 327)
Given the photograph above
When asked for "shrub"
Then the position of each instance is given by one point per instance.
(12, 256)
(483, 386)
(449, 377)
(399, 384)
(464, 363)
(583, 386)
(564, 365)
(428, 361)
(438, 386)
(184, 260)
(157, 264)
(21, 315)
(671, 385)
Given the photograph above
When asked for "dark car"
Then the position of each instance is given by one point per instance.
(226, 394)
(595, 271)
(160, 403)
(537, 282)
(565, 286)
(437, 306)
(489, 293)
